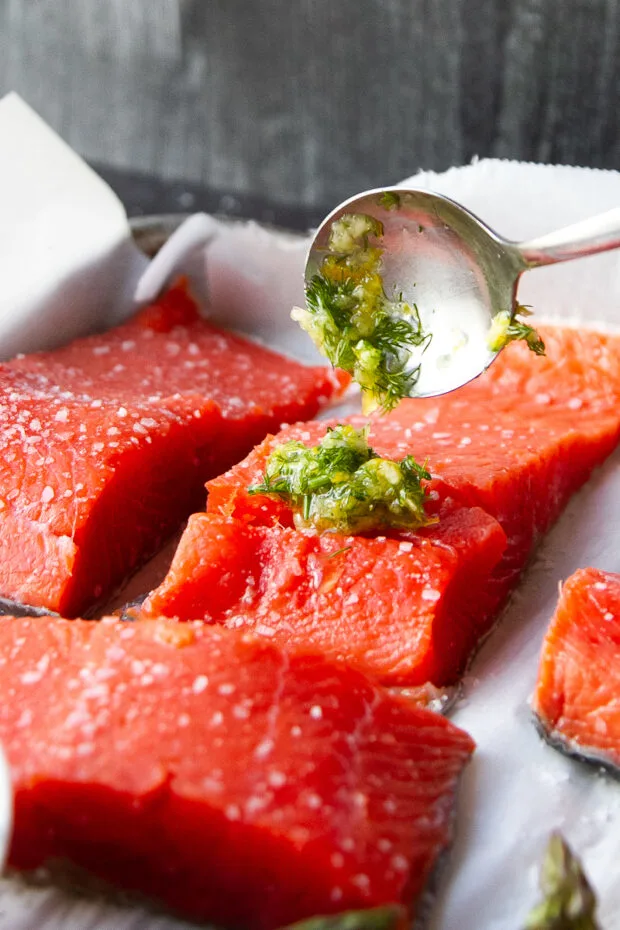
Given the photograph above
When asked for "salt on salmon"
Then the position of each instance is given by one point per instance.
(381, 604)
(511, 447)
(105, 444)
(576, 698)
(227, 778)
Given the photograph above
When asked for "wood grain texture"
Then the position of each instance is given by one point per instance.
(307, 101)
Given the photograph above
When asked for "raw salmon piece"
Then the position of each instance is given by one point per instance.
(105, 445)
(403, 608)
(522, 468)
(219, 774)
(169, 354)
(576, 697)
(516, 443)
(88, 489)
(581, 368)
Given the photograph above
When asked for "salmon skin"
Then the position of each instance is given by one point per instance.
(508, 449)
(222, 776)
(10, 608)
(576, 698)
(105, 444)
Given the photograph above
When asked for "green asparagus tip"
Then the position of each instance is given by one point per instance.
(569, 902)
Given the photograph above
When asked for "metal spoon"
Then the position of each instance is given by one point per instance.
(457, 271)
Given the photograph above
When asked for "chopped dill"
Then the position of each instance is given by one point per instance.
(342, 484)
(352, 321)
(341, 551)
(505, 329)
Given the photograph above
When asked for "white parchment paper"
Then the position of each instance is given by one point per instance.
(517, 789)
(67, 262)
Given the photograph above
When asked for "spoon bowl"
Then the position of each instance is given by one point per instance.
(456, 271)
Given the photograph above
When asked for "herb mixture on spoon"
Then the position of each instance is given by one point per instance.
(379, 339)
(352, 320)
(342, 484)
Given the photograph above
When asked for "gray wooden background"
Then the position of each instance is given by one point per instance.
(306, 101)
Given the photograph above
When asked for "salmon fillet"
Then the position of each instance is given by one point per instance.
(382, 604)
(577, 693)
(223, 776)
(510, 447)
(105, 444)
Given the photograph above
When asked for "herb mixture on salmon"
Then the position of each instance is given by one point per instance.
(229, 779)
(342, 484)
(505, 454)
(105, 444)
(578, 690)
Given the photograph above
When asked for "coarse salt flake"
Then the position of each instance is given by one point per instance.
(200, 684)
(276, 779)
(264, 748)
(399, 863)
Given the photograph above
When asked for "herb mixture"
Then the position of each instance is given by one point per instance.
(352, 321)
(505, 329)
(342, 484)
(360, 329)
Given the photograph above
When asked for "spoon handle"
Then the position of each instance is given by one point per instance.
(596, 234)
